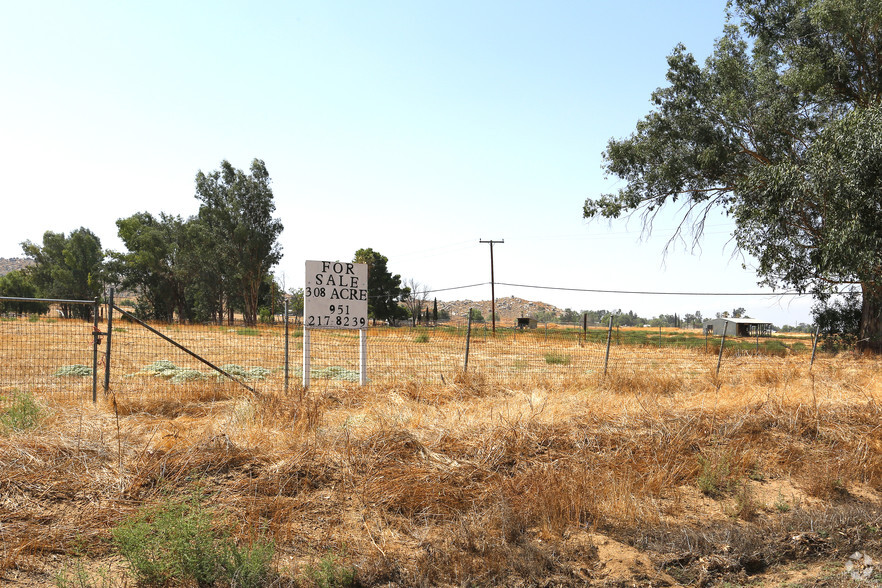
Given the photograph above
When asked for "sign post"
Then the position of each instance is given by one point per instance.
(335, 297)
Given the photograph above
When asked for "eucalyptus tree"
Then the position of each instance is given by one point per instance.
(781, 129)
(156, 264)
(237, 213)
(67, 267)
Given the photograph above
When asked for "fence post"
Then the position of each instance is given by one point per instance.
(286, 346)
(608, 341)
(659, 336)
(815, 346)
(362, 357)
(95, 338)
(109, 337)
(468, 340)
(722, 343)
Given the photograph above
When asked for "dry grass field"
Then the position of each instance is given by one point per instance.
(662, 473)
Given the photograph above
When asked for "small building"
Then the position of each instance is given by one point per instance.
(527, 323)
(738, 327)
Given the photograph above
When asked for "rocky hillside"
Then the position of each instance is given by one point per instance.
(507, 309)
(9, 264)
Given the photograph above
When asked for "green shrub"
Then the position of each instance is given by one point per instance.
(714, 474)
(71, 371)
(330, 573)
(179, 541)
(421, 338)
(554, 358)
(248, 332)
(22, 413)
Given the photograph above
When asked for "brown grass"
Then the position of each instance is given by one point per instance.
(687, 475)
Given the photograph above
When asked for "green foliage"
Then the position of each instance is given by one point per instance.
(384, 288)
(570, 316)
(255, 373)
(782, 130)
(335, 373)
(421, 338)
(295, 303)
(19, 284)
(67, 267)
(22, 413)
(248, 332)
(180, 541)
(236, 211)
(714, 476)
(475, 315)
(330, 573)
(176, 375)
(838, 320)
(161, 263)
(76, 370)
(554, 358)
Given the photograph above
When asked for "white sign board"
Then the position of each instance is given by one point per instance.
(336, 295)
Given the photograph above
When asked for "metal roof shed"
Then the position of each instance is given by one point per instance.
(738, 327)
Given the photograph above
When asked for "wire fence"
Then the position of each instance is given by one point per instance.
(67, 359)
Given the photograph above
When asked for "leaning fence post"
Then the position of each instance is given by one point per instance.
(608, 341)
(468, 340)
(815, 346)
(722, 343)
(286, 345)
(109, 337)
(95, 339)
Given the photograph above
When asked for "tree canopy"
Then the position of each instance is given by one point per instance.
(67, 267)
(237, 211)
(780, 128)
(384, 288)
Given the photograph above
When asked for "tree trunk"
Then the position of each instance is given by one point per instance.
(871, 318)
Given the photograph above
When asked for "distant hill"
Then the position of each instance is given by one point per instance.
(10, 264)
(507, 309)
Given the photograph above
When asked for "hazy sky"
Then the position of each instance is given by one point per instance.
(415, 128)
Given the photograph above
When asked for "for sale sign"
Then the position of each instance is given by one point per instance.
(335, 296)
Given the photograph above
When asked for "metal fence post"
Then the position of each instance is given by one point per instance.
(815, 346)
(468, 341)
(95, 339)
(608, 341)
(286, 345)
(722, 343)
(109, 337)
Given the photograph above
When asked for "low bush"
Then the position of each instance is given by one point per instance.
(22, 413)
(180, 541)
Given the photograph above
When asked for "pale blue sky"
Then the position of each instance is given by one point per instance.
(414, 128)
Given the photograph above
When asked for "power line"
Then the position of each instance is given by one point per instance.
(456, 288)
(656, 293)
(648, 293)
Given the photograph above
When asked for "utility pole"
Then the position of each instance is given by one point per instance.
(492, 283)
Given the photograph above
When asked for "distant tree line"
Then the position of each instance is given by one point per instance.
(203, 268)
